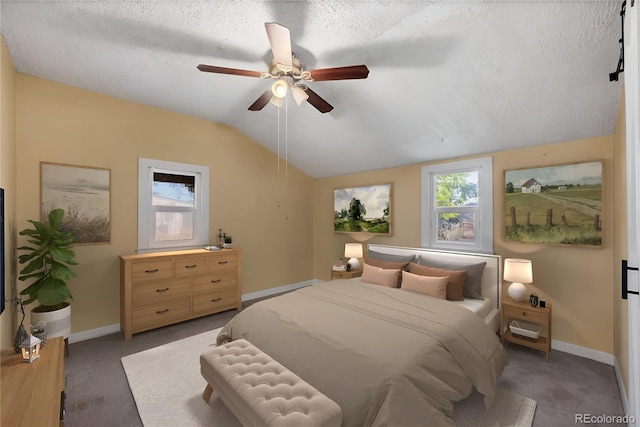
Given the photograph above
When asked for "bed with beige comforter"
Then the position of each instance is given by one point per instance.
(388, 357)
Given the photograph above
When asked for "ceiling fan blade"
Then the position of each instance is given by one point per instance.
(225, 70)
(261, 102)
(319, 103)
(280, 40)
(340, 73)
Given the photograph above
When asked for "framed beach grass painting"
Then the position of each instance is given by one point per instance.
(365, 209)
(559, 205)
(84, 193)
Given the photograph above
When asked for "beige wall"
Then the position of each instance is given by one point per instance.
(577, 281)
(8, 322)
(620, 313)
(63, 124)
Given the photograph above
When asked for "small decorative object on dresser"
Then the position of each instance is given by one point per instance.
(30, 349)
(518, 271)
(533, 300)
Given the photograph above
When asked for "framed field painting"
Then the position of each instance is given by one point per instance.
(84, 194)
(555, 204)
(363, 209)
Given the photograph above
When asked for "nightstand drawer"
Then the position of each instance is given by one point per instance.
(345, 274)
(526, 314)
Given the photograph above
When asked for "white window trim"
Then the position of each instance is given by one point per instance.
(146, 231)
(484, 220)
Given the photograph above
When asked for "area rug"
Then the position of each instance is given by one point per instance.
(167, 387)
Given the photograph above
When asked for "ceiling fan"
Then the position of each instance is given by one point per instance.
(290, 74)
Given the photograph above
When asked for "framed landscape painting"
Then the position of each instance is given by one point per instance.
(555, 204)
(84, 194)
(363, 209)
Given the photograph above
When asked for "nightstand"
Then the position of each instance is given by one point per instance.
(512, 310)
(345, 274)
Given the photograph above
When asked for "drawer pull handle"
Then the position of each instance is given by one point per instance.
(155, 270)
(191, 266)
(216, 299)
(223, 262)
(162, 311)
(162, 290)
(216, 281)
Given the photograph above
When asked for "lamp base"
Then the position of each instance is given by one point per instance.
(354, 263)
(517, 291)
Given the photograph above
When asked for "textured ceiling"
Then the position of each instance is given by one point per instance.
(447, 79)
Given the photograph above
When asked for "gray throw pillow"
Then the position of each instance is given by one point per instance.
(389, 257)
(473, 281)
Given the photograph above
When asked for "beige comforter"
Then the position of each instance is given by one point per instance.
(388, 357)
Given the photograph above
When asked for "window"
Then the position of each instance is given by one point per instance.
(457, 205)
(173, 205)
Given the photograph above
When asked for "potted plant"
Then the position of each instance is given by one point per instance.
(48, 261)
(228, 240)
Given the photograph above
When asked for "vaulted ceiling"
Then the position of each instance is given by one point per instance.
(447, 78)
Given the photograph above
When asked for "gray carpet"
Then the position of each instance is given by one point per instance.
(98, 393)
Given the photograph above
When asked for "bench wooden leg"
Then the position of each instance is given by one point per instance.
(207, 393)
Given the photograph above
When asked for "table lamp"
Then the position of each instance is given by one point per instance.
(353, 251)
(518, 271)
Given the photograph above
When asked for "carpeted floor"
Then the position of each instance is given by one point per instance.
(98, 393)
(175, 398)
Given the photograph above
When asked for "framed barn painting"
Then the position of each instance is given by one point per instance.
(366, 210)
(84, 194)
(559, 205)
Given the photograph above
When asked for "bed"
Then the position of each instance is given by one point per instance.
(385, 355)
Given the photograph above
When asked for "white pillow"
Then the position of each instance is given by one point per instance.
(428, 285)
(380, 276)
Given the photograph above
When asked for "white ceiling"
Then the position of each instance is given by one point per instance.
(447, 79)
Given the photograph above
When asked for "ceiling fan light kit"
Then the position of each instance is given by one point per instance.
(288, 70)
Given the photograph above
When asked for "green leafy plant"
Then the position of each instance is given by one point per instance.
(47, 262)
(228, 239)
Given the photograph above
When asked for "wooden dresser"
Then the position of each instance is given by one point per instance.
(33, 393)
(162, 288)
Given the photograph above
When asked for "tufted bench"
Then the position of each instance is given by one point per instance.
(262, 392)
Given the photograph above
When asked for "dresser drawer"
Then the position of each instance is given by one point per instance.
(214, 282)
(212, 302)
(526, 314)
(157, 291)
(144, 271)
(190, 266)
(164, 313)
(222, 262)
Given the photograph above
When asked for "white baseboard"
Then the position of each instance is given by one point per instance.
(279, 289)
(94, 333)
(621, 387)
(598, 356)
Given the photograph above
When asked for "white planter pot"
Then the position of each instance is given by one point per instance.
(58, 322)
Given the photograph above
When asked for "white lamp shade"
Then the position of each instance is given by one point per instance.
(299, 94)
(518, 270)
(279, 88)
(353, 251)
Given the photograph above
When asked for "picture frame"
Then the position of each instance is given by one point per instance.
(559, 205)
(84, 193)
(364, 210)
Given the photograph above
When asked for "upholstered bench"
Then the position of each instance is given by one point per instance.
(261, 392)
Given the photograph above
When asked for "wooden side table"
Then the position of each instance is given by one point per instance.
(512, 310)
(345, 274)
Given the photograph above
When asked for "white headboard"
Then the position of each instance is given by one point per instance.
(491, 277)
